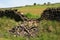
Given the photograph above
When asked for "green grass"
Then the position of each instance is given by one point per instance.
(32, 12)
(38, 9)
(6, 24)
(32, 16)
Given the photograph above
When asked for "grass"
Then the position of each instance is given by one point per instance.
(6, 24)
(38, 9)
(32, 12)
(32, 16)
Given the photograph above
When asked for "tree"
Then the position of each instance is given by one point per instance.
(48, 3)
(44, 3)
(34, 3)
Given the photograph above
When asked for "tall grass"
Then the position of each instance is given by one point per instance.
(7, 23)
(33, 16)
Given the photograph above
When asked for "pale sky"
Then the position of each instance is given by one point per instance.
(14, 3)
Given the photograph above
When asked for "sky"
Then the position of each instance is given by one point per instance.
(14, 3)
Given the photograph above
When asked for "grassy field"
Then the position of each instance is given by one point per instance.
(37, 9)
(54, 26)
(6, 24)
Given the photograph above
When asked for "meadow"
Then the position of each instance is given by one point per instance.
(32, 12)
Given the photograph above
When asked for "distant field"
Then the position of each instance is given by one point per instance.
(38, 9)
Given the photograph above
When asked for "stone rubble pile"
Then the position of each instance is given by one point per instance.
(26, 28)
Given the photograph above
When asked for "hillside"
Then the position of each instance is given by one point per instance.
(37, 9)
(49, 29)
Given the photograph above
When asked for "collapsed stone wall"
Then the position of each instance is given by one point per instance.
(26, 29)
(50, 14)
(13, 14)
(29, 27)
